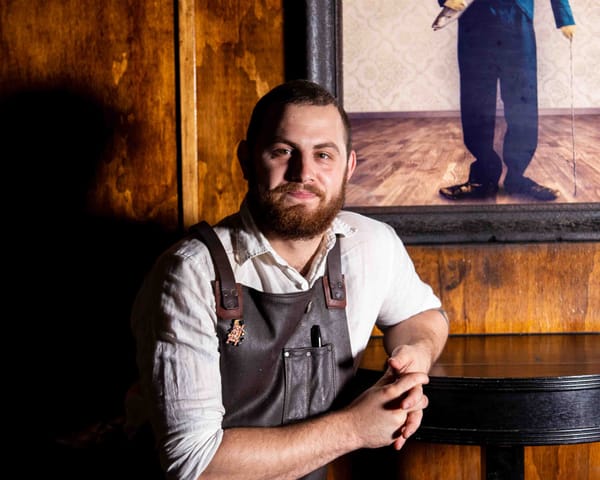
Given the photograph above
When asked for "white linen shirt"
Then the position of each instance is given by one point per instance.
(174, 319)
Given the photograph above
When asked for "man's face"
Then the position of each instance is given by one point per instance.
(298, 171)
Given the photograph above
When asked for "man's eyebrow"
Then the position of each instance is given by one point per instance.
(279, 139)
(318, 146)
(327, 145)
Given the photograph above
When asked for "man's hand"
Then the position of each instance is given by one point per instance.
(568, 31)
(409, 358)
(379, 414)
(457, 5)
(405, 359)
(413, 345)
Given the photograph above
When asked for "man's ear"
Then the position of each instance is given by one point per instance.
(351, 164)
(244, 158)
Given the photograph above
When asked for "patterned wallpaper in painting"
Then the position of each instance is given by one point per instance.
(393, 61)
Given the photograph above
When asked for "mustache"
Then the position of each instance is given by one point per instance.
(295, 186)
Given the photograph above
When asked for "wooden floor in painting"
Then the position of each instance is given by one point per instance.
(404, 161)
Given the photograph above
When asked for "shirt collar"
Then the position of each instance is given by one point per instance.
(250, 241)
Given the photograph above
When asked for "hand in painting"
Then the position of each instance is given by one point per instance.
(568, 31)
(457, 5)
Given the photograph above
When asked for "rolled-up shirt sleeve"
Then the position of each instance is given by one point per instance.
(173, 321)
(405, 293)
(383, 287)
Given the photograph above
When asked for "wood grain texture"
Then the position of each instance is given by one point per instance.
(515, 288)
(188, 84)
(563, 462)
(239, 52)
(427, 461)
(116, 57)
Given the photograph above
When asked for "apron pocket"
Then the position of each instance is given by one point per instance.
(310, 382)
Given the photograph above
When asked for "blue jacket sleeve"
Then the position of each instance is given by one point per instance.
(562, 13)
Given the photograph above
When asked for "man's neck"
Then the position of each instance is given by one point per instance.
(299, 254)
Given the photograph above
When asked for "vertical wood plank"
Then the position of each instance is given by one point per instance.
(188, 114)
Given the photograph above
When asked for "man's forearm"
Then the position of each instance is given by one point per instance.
(287, 452)
(372, 420)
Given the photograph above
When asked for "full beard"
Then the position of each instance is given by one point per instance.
(295, 222)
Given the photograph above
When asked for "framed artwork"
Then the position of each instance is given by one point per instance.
(397, 180)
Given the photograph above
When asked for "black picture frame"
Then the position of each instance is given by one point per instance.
(313, 50)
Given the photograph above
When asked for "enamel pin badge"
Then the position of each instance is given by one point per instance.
(236, 332)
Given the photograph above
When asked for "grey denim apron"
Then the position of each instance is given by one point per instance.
(283, 357)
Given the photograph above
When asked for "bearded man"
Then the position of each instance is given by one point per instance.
(249, 332)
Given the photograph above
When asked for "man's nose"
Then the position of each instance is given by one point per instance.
(300, 168)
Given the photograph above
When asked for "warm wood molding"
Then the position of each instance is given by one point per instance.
(187, 101)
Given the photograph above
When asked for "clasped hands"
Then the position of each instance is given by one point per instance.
(392, 409)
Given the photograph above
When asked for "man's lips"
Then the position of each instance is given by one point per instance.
(298, 191)
(302, 194)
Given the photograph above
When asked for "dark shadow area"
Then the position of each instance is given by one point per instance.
(295, 39)
(72, 276)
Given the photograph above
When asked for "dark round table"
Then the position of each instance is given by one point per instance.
(505, 392)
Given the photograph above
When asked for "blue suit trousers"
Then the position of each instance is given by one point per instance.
(497, 48)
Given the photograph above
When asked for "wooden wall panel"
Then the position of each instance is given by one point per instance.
(563, 462)
(425, 461)
(89, 152)
(113, 60)
(515, 288)
(240, 58)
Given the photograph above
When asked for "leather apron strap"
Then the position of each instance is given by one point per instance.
(227, 292)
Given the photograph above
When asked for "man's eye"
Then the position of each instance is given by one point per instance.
(280, 152)
(324, 156)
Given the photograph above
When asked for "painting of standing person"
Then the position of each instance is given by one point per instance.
(497, 48)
